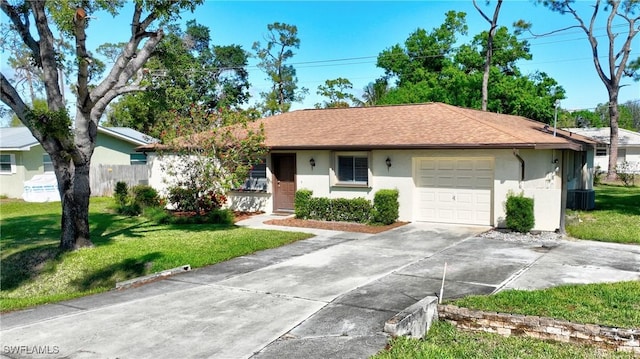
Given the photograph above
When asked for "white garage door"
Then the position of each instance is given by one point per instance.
(454, 190)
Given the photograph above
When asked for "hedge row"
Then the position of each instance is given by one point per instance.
(384, 209)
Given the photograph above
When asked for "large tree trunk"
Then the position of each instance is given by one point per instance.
(612, 171)
(73, 184)
(71, 152)
(72, 163)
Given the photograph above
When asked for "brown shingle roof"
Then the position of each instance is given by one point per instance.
(431, 125)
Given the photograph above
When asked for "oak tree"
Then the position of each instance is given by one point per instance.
(70, 142)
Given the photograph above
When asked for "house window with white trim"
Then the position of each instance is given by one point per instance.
(352, 169)
(601, 150)
(47, 164)
(7, 164)
(137, 159)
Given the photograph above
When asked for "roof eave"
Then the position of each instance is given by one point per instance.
(120, 136)
(401, 146)
(25, 148)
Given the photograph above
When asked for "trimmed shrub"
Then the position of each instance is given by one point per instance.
(183, 199)
(130, 209)
(319, 208)
(385, 206)
(221, 216)
(121, 193)
(301, 203)
(350, 210)
(339, 209)
(190, 200)
(520, 216)
(145, 196)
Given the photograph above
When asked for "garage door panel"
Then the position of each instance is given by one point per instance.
(465, 182)
(467, 198)
(428, 181)
(465, 165)
(446, 164)
(445, 215)
(454, 190)
(484, 164)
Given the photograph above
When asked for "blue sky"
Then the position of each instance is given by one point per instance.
(360, 30)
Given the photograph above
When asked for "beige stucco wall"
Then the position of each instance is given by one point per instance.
(112, 151)
(28, 164)
(109, 150)
(542, 179)
(542, 182)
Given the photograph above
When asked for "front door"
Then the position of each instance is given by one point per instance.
(284, 181)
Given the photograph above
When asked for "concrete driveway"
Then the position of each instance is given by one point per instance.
(325, 297)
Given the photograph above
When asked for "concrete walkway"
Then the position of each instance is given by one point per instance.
(325, 297)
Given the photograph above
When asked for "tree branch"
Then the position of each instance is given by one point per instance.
(9, 95)
(128, 55)
(112, 86)
(83, 101)
(23, 29)
(612, 39)
(625, 51)
(481, 12)
(47, 56)
(554, 31)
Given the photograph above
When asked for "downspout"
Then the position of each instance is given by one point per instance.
(515, 153)
(563, 196)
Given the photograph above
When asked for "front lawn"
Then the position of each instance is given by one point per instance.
(609, 304)
(616, 217)
(33, 271)
(445, 341)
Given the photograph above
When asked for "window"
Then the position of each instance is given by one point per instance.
(601, 150)
(622, 154)
(353, 170)
(47, 163)
(138, 159)
(7, 164)
(257, 180)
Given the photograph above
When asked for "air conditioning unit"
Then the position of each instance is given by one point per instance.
(583, 199)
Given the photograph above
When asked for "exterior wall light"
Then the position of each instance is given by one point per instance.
(312, 162)
(388, 162)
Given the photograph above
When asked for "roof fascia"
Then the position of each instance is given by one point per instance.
(120, 136)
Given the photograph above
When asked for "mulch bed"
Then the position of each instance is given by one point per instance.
(334, 226)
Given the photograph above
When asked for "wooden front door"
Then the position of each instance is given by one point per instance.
(284, 181)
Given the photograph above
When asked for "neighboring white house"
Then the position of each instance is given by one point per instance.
(449, 164)
(22, 158)
(628, 146)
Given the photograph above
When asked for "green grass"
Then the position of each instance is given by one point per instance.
(445, 341)
(33, 271)
(615, 219)
(609, 304)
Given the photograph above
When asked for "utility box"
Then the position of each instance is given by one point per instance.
(582, 199)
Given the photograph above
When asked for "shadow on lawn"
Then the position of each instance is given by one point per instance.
(127, 269)
(26, 264)
(32, 242)
(623, 200)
